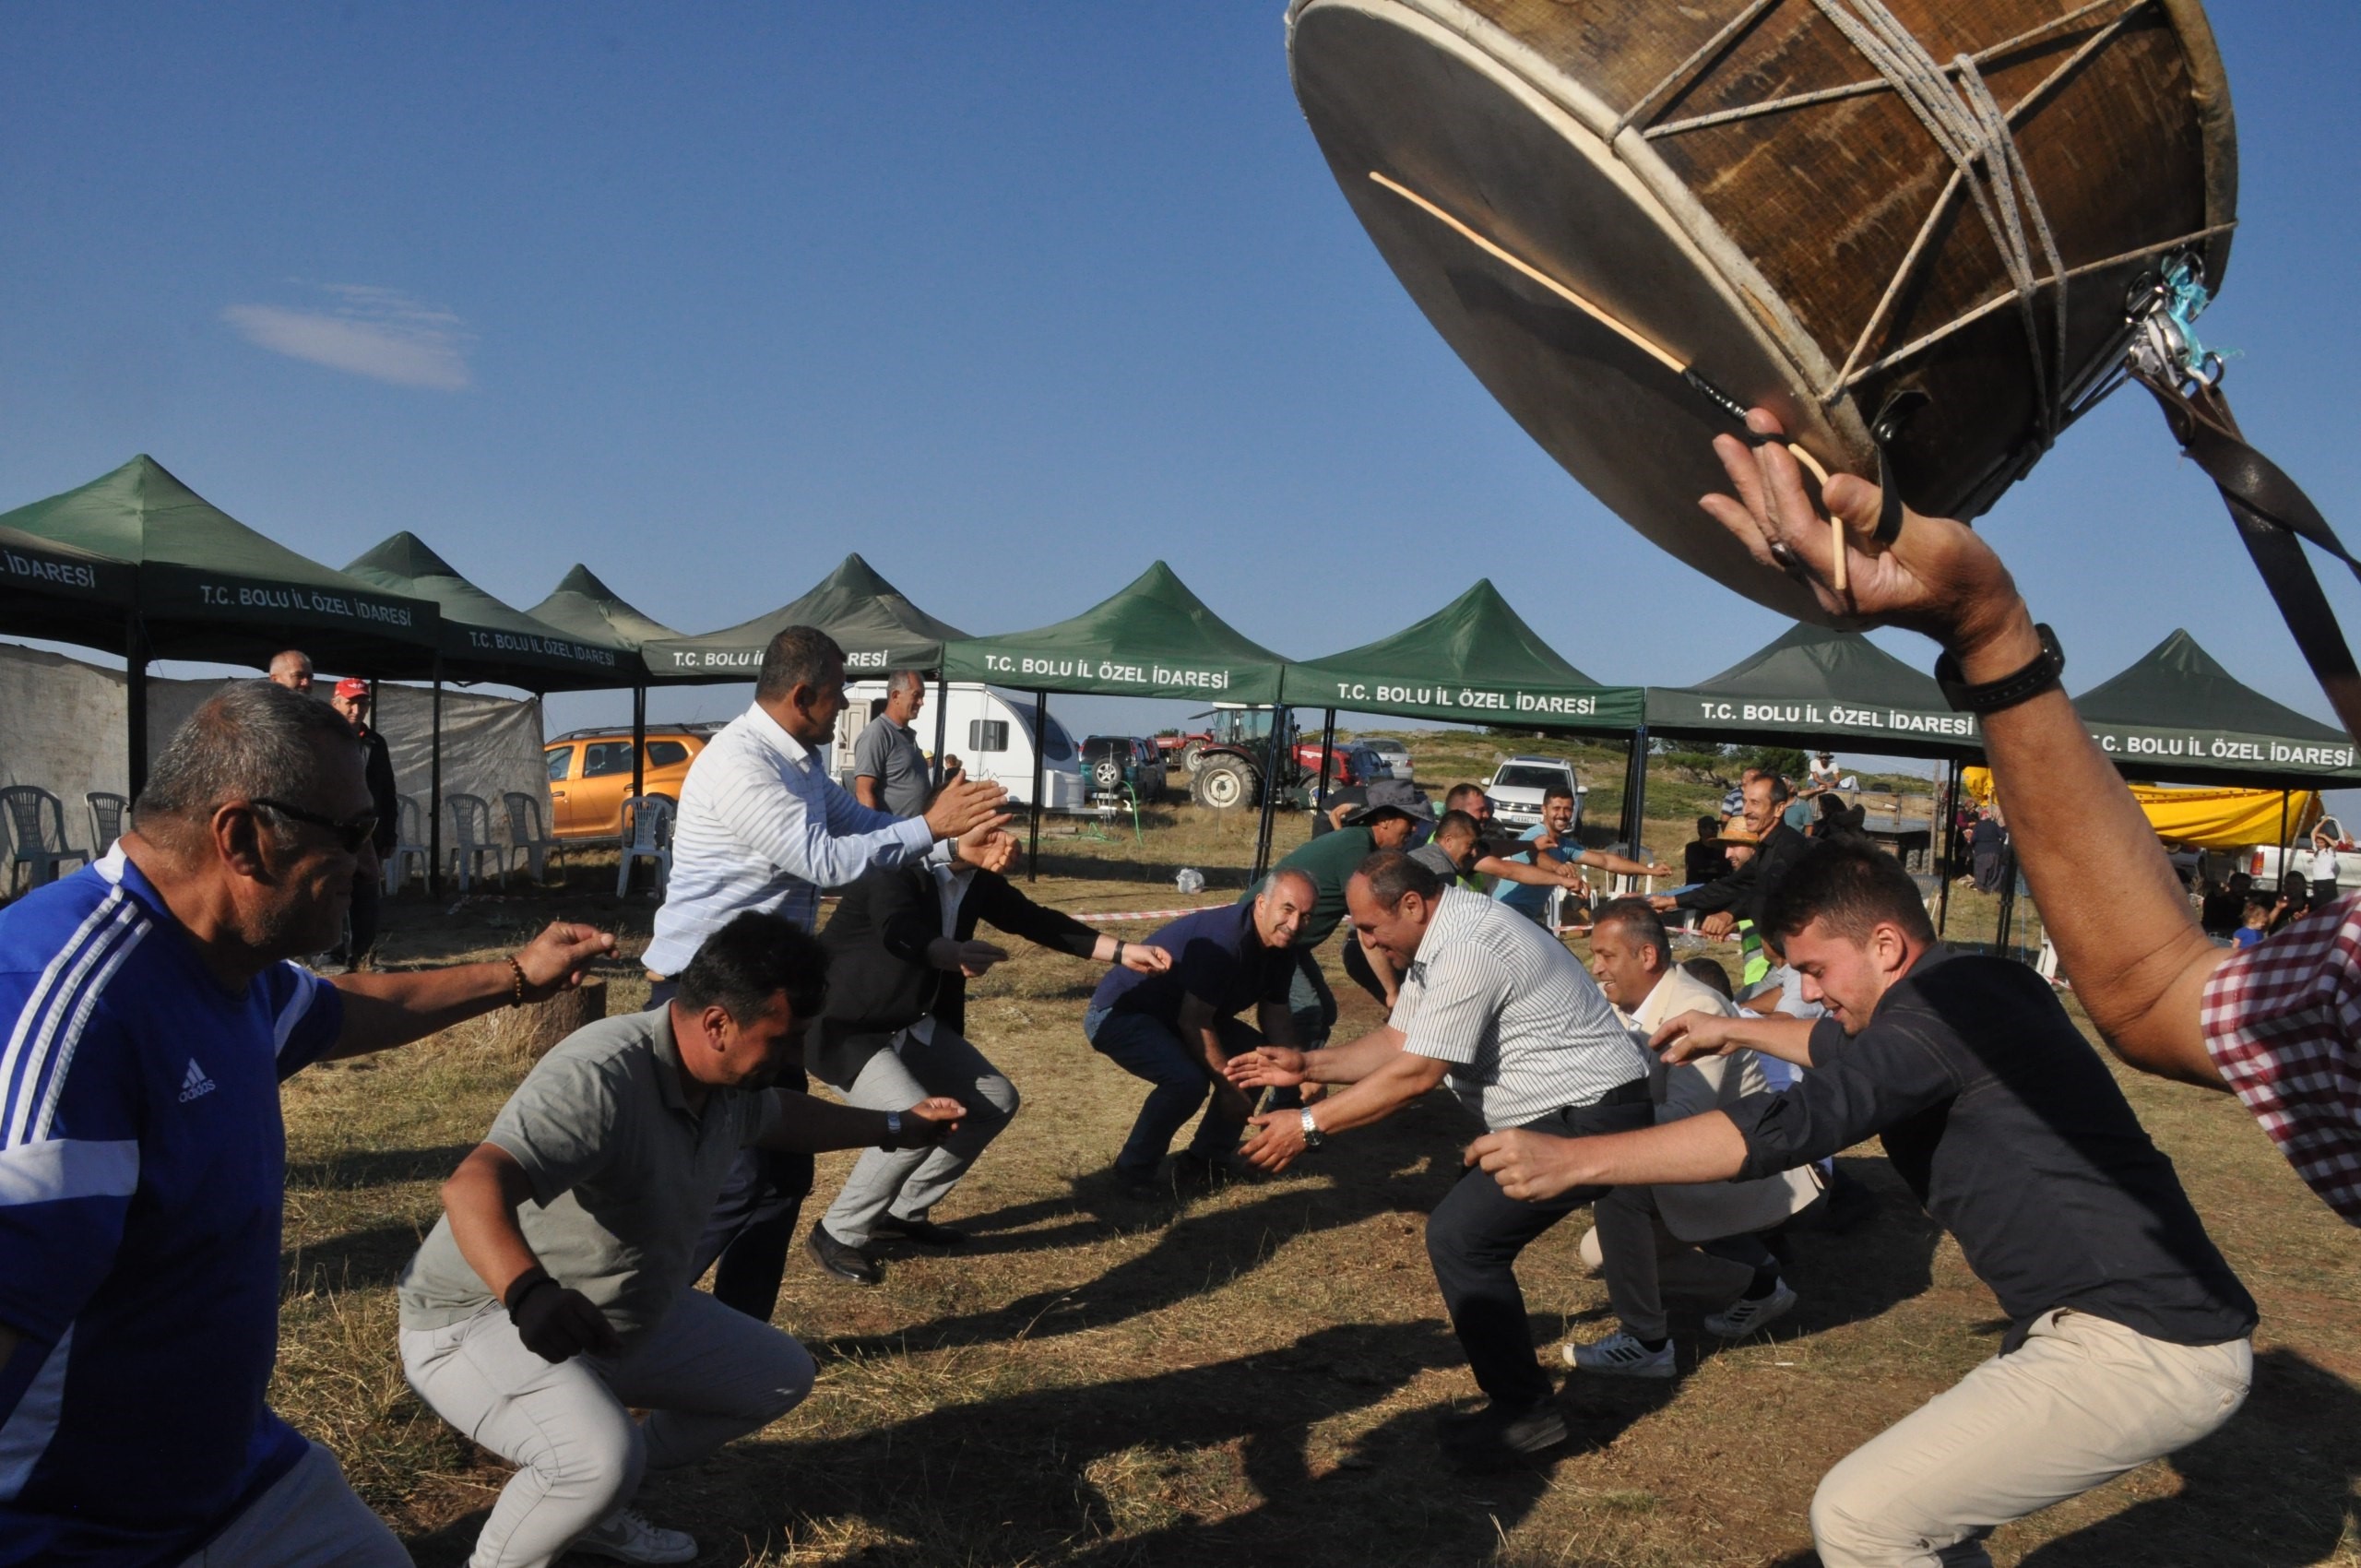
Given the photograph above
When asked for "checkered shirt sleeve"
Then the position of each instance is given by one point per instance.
(2283, 1023)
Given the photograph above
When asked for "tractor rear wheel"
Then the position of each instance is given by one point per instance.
(1223, 782)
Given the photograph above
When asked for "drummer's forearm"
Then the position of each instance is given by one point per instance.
(2109, 897)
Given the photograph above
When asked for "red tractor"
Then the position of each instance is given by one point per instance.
(1226, 760)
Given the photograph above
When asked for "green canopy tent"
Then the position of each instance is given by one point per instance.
(1813, 684)
(209, 587)
(1154, 638)
(2177, 717)
(582, 606)
(61, 592)
(872, 620)
(484, 639)
(1474, 662)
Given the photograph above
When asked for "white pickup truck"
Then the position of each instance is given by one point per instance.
(2262, 863)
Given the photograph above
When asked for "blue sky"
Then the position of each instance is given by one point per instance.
(1012, 298)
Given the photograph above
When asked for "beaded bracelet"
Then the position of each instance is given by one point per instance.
(517, 969)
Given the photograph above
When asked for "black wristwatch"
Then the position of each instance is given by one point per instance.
(2035, 678)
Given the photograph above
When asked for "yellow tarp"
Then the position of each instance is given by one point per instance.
(2202, 819)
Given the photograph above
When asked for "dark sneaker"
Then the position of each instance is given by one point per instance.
(1141, 1187)
(1495, 1437)
(848, 1263)
(1194, 1172)
(924, 1232)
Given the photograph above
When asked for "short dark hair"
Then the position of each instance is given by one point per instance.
(799, 656)
(1391, 873)
(250, 740)
(1461, 791)
(1709, 973)
(1852, 885)
(1456, 822)
(1708, 826)
(752, 959)
(1556, 792)
(1634, 915)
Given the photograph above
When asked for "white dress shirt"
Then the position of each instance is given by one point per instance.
(761, 827)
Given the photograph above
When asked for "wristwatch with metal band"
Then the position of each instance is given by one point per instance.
(1312, 1136)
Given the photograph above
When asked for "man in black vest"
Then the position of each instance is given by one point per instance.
(901, 949)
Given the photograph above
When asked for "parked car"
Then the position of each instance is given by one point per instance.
(1518, 784)
(1396, 755)
(591, 774)
(1110, 762)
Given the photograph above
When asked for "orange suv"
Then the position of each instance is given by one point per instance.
(591, 774)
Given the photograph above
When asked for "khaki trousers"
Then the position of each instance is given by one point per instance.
(2081, 1402)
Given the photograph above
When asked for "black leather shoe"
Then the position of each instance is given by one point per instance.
(848, 1263)
(1493, 1438)
(924, 1232)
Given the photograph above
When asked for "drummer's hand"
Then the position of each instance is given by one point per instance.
(1936, 577)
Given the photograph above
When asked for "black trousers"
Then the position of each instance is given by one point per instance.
(1474, 1237)
(752, 1224)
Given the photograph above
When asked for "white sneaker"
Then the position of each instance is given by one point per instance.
(1743, 1317)
(1619, 1355)
(627, 1538)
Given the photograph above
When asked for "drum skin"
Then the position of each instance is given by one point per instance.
(1761, 249)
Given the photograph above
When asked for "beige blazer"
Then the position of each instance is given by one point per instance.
(1707, 1210)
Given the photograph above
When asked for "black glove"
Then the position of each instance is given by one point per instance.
(557, 1323)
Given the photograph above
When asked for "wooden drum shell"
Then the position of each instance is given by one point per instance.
(1761, 249)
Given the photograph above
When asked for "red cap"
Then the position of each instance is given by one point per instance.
(348, 687)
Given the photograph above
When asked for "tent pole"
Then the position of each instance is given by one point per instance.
(2282, 839)
(434, 788)
(1950, 807)
(639, 740)
(942, 717)
(135, 695)
(1327, 753)
(1270, 792)
(1041, 739)
(1638, 797)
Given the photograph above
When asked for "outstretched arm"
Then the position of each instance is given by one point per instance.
(2109, 897)
(1529, 1166)
(398, 1007)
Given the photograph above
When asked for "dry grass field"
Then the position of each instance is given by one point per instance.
(1250, 1378)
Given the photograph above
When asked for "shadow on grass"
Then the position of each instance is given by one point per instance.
(1205, 1464)
(356, 1169)
(358, 1260)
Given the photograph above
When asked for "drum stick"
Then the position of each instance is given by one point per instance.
(1632, 335)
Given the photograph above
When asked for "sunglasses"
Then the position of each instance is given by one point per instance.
(350, 835)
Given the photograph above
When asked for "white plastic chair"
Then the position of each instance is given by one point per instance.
(647, 835)
(471, 839)
(37, 826)
(527, 840)
(106, 818)
(409, 848)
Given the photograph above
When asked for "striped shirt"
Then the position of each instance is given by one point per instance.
(762, 826)
(1520, 1020)
(142, 1173)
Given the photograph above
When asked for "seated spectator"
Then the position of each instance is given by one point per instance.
(1704, 860)
(2254, 927)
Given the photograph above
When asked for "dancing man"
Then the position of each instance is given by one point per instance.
(2128, 1335)
(1506, 1014)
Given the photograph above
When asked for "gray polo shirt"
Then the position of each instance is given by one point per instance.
(624, 1176)
(1523, 1024)
(889, 753)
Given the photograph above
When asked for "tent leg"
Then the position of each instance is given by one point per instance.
(1270, 792)
(639, 741)
(1327, 755)
(1949, 805)
(2282, 839)
(1636, 799)
(434, 788)
(1041, 739)
(135, 695)
(942, 720)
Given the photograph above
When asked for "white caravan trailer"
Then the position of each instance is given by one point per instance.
(989, 730)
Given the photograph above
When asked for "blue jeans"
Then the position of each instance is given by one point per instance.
(1150, 1048)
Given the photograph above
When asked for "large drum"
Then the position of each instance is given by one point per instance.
(1815, 205)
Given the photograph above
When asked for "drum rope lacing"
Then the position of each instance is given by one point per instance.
(1970, 127)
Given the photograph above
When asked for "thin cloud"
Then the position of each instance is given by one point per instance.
(380, 333)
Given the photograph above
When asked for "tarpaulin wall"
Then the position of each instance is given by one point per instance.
(61, 721)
